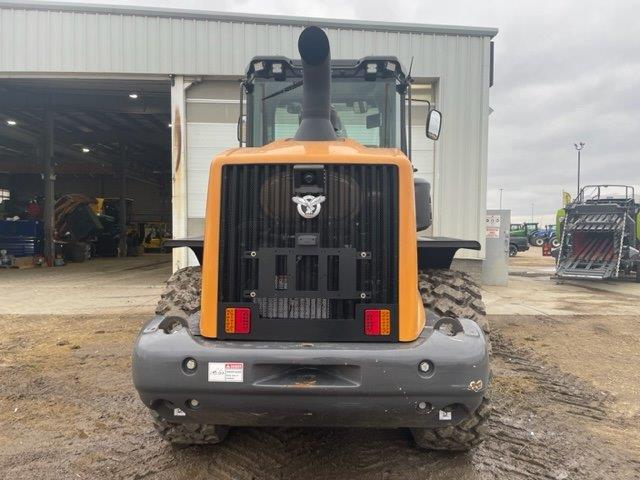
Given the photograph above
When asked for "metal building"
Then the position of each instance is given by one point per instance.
(197, 59)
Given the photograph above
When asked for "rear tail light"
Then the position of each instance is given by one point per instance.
(237, 320)
(377, 322)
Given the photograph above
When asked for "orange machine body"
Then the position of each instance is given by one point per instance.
(411, 314)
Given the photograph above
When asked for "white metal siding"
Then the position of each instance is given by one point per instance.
(204, 141)
(63, 41)
(99, 42)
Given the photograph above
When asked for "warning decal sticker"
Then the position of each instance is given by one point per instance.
(226, 372)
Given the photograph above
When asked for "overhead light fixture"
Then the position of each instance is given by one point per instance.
(85, 150)
(258, 66)
(390, 66)
(133, 96)
(12, 123)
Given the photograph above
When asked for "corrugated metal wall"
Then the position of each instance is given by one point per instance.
(33, 40)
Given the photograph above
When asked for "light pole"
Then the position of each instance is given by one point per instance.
(501, 198)
(532, 213)
(579, 147)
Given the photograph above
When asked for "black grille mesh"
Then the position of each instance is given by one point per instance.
(360, 211)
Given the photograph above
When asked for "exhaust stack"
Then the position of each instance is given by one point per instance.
(315, 53)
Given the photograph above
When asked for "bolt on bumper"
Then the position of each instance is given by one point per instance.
(436, 380)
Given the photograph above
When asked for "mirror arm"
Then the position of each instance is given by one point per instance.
(239, 126)
(403, 116)
(409, 123)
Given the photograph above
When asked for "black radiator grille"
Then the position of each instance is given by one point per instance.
(360, 212)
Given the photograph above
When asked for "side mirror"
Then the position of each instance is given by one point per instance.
(241, 132)
(434, 124)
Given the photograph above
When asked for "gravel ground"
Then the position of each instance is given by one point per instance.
(69, 409)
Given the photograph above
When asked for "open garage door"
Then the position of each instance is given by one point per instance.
(86, 167)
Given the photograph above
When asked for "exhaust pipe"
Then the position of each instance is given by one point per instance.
(315, 53)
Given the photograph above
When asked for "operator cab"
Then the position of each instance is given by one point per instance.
(368, 102)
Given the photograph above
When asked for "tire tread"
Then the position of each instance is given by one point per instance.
(454, 294)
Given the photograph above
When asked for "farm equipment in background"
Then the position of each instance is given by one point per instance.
(84, 227)
(107, 242)
(76, 226)
(523, 230)
(540, 236)
(599, 234)
(21, 238)
(518, 244)
(153, 235)
(553, 240)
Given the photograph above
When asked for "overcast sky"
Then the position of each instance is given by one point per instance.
(566, 71)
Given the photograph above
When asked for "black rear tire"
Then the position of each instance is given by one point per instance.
(513, 250)
(182, 294)
(455, 294)
(457, 438)
(189, 433)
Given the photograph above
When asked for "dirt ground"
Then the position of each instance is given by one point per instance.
(565, 389)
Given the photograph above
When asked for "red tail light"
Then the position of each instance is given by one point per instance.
(237, 320)
(377, 322)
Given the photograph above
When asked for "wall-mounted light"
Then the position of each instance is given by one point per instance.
(169, 125)
(133, 96)
(12, 123)
(85, 150)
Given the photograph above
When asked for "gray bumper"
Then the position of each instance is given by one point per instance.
(311, 384)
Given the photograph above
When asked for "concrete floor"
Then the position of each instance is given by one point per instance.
(531, 291)
(100, 286)
(132, 285)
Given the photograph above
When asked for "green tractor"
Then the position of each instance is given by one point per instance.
(523, 229)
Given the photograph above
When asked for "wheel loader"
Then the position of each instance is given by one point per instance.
(317, 303)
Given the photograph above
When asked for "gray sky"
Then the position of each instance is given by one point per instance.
(566, 71)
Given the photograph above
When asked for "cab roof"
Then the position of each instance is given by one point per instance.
(386, 66)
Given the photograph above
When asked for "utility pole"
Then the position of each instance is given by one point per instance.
(501, 198)
(579, 147)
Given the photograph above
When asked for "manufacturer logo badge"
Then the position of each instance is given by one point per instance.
(475, 386)
(309, 206)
